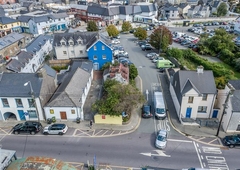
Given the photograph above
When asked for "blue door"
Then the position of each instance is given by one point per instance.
(188, 112)
(21, 115)
(215, 113)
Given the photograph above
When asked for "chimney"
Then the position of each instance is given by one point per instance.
(41, 73)
(200, 69)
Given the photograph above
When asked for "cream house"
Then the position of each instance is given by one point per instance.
(193, 94)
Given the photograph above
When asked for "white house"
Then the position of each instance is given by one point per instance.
(193, 94)
(49, 23)
(231, 107)
(68, 100)
(72, 45)
(237, 25)
(16, 89)
(31, 58)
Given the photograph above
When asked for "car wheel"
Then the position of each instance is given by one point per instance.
(45, 133)
(60, 133)
(231, 146)
(16, 132)
(32, 133)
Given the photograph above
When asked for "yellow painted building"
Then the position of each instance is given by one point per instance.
(8, 25)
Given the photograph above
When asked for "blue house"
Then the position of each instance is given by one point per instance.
(99, 53)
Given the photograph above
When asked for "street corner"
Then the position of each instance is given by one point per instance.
(5, 130)
(213, 141)
(98, 132)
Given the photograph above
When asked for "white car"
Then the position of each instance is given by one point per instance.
(55, 129)
(161, 139)
(115, 41)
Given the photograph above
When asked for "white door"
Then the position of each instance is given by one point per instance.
(95, 66)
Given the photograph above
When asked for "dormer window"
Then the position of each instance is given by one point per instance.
(63, 43)
(71, 43)
(79, 42)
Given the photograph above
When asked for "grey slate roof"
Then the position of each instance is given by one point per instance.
(27, 4)
(215, 4)
(82, 7)
(87, 37)
(2, 12)
(182, 5)
(44, 18)
(50, 72)
(36, 44)
(126, 10)
(185, 80)
(12, 84)
(6, 20)
(70, 90)
(19, 62)
(235, 84)
(10, 39)
(148, 8)
(24, 18)
(137, 9)
(103, 11)
(235, 100)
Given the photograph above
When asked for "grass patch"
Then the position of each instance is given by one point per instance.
(236, 73)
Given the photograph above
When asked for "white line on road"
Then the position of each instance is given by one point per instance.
(200, 161)
(177, 140)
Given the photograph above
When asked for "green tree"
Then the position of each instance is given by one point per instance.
(112, 31)
(140, 33)
(161, 38)
(237, 65)
(126, 26)
(222, 9)
(118, 98)
(92, 26)
(133, 72)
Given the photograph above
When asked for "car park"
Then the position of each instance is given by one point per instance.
(232, 141)
(146, 47)
(146, 111)
(55, 129)
(122, 54)
(31, 127)
(161, 139)
(115, 41)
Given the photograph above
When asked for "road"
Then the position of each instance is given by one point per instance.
(131, 150)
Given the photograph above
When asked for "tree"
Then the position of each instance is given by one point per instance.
(133, 72)
(161, 38)
(126, 26)
(140, 33)
(118, 98)
(222, 9)
(112, 31)
(237, 65)
(92, 26)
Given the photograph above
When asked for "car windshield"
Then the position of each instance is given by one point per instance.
(160, 110)
(161, 138)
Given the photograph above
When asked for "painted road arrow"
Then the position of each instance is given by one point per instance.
(159, 153)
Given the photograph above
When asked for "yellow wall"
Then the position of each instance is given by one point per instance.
(9, 26)
(116, 120)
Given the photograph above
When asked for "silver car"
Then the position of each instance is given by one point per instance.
(161, 140)
(55, 129)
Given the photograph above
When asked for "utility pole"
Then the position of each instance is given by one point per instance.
(225, 106)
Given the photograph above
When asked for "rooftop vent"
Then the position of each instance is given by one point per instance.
(200, 69)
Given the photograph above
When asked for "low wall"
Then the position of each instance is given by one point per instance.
(59, 62)
(106, 119)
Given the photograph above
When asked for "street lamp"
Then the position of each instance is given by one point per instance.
(33, 98)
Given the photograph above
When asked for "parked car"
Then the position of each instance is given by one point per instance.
(146, 111)
(31, 127)
(132, 31)
(156, 59)
(115, 41)
(232, 141)
(161, 70)
(55, 129)
(150, 54)
(146, 47)
(161, 139)
(116, 37)
(122, 54)
(140, 43)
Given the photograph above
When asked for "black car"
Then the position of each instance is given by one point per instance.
(146, 47)
(232, 141)
(140, 43)
(146, 111)
(31, 127)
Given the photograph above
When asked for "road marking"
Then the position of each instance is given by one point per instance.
(200, 161)
(212, 140)
(211, 150)
(201, 138)
(177, 140)
(159, 153)
(163, 124)
(216, 162)
(98, 132)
